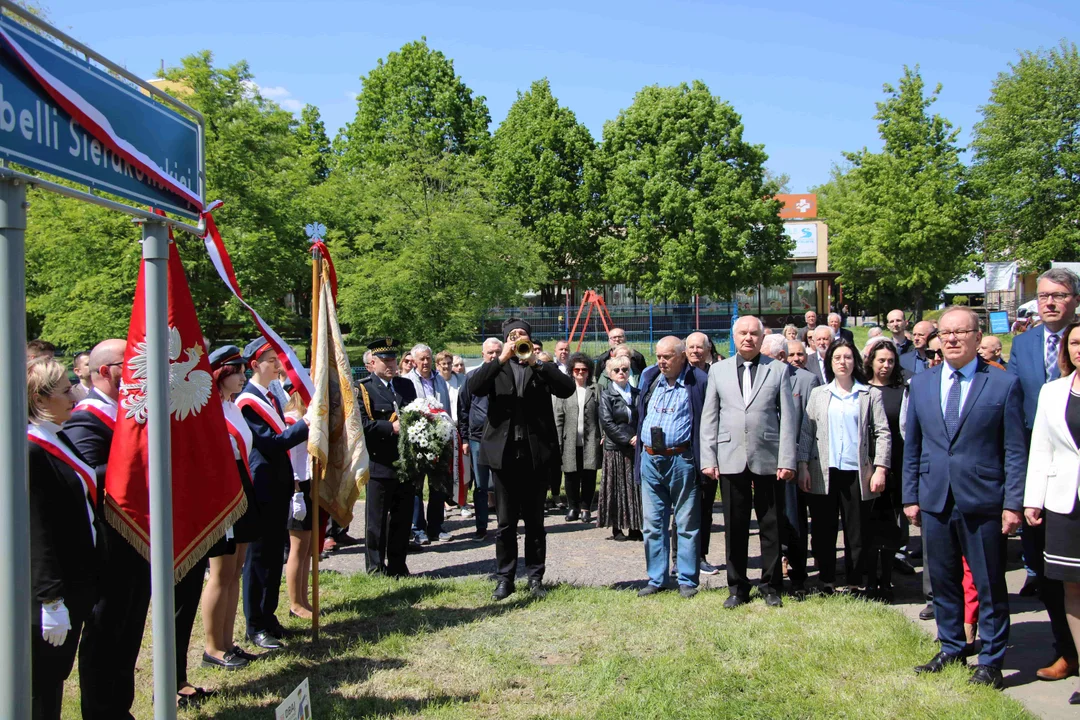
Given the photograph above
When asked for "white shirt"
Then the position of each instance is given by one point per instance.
(844, 426)
(966, 374)
(298, 454)
(581, 415)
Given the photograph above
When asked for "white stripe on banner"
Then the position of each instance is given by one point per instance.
(97, 124)
(215, 248)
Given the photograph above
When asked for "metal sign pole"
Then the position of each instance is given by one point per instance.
(15, 604)
(156, 254)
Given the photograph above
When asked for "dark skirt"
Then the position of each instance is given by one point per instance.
(305, 524)
(1063, 545)
(246, 529)
(886, 512)
(620, 495)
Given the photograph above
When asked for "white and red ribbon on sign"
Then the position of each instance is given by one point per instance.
(219, 256)
(91, 119)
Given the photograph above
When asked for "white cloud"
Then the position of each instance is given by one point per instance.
(350, 95)
(281, 96)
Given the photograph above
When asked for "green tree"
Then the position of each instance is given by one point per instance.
(314, 144)
(687, 208)
(1027, 160)
(422, 249)
(539, 168)
(414, 101)
(899, 228)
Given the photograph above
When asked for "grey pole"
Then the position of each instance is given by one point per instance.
(15, 605)
(156, 254)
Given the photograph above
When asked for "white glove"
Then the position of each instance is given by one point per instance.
(299, 509)
(55, 623)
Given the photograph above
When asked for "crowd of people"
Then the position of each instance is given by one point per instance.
(927, 427)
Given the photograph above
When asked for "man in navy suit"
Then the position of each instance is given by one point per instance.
(914, 361)
(964, 475)
(272, 479)
(1034, 361)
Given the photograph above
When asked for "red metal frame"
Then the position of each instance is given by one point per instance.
(592, 299)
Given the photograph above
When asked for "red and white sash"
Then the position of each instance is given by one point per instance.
(265, 410)
(51, 444)
(103, 411)
(239, 435)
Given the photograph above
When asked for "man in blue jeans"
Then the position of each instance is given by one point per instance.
(472, 413)
(669, 412)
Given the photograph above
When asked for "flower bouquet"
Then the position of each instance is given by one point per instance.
(426, 442)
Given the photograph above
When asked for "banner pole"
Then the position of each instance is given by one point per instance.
(316, 466)
(156, 254)
(15, 606)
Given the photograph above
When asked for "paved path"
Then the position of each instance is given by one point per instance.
(582, 554)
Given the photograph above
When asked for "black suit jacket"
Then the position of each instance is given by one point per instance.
(382, 442)
(271, 470)
(63, 559)
(637, 363)
(847, 335)
(496, 381)
(92, 438)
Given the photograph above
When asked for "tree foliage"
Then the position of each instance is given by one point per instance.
(1027, 160)
(539, 163)
(414, 101)
(898, 219)
(688, 210)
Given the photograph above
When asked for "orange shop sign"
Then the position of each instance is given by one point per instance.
(803, 205)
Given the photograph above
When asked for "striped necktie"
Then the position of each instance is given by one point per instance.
(952, 405)
(1052, 370)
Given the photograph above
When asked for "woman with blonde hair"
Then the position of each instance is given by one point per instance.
(67, 537)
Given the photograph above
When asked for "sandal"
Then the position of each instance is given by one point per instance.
(193, 700)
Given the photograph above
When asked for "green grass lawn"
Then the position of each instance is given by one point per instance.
(441, 649)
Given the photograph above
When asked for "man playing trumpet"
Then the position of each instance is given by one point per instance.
(520, 445)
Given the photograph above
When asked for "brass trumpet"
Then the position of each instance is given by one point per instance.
(523, 348)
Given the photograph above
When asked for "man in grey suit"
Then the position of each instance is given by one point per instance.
(749, 433)
(795, 526)
(816, 346)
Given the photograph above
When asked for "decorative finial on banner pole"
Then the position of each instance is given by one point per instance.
(315, 231)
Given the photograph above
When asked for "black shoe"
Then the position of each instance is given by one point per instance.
(278, 631)
(828, 590)
(1031, 587)
(571, 516)
(193, 700)
(586, 516)
(242, 653)
(635, 535)
(649, 590)
(773, 600)
(927, 613)
(989, 676)
(885, 595)
(619, 537)
(687, 591)
(503, 590)
(1074, 699)
(735, 601)
(345, 540)
(480, 535)
(902, 566)
(969, 651)
(265, 640)
(798, 593)
(939, 663)
(229, 661)
(537, 589)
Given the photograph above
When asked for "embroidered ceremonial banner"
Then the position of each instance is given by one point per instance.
(207, 495)
(336, 435)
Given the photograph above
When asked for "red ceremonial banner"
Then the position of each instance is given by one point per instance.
(207, 495)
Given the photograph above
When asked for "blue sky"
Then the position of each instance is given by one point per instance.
(804, 76)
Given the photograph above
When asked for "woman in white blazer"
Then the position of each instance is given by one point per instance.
(1053, 477)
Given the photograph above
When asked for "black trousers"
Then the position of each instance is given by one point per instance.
(186, 596)
(50, 666)
(262, 569)
(763, 494)
(844, 500)
(387, 521)
(520, 491)
(436, 507)
(580, 485)
(707, 489)
(1051, 594)
(113, 634)
(556, 482)
(797, 527)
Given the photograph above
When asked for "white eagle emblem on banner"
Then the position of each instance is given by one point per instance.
(189, 389)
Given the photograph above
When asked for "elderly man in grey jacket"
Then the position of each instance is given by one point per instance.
(749, 435)
(428, 383)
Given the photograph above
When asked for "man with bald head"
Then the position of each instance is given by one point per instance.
(915, 362)
(796, 354)
(669, 420)
(749, 429)
(699, 351)
(839, 332)
(990, 350)
(897, 324)
(113, 634)
(807, 331)
(820, 340)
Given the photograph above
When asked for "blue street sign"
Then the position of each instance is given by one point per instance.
(999, 322)
(35, 132)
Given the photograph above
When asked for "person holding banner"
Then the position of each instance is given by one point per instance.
(272, 478)
(67, 536)
(222, 591)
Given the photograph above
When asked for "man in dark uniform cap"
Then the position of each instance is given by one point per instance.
(520, 445)
(388, 509)
(272, 479)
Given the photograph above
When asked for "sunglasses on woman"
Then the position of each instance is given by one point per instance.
(932, 354)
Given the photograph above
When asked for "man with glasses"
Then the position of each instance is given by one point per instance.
(1034, 360)
(617, 337)
(916, 360)
(964, 472)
